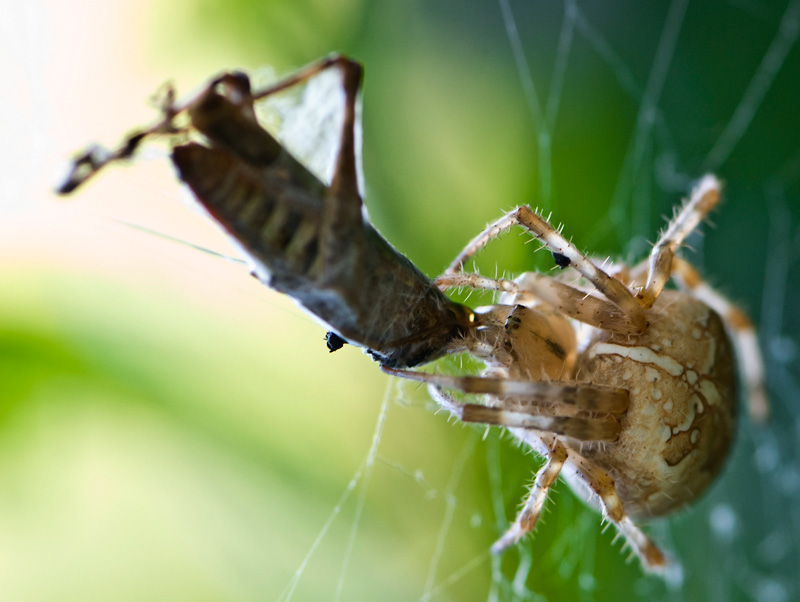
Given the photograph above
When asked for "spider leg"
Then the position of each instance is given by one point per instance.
(705, 196)
(743, 335)
(584, 412)
(598, 481)
(586, 473)
(572, 302)
(579, 426)
(531, 288)
(583, 428)
(614, 290)
(532, 509)
(476, 281)
(492, 231)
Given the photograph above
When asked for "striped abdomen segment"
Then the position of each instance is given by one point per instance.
(277, 222)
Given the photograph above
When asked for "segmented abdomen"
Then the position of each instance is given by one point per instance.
(343, 272)
(273, 220)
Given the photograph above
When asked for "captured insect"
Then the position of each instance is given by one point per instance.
(300, 237)
(626, 388)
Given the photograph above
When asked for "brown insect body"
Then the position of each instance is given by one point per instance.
(311, 241)
(301, 237)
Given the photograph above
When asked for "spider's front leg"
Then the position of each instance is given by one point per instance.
(541, 414)
(581, 412)
(566, 254)
(534, 289)
(536, 413)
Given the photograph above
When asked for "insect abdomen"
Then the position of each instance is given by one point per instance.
(309, 240)
(256, 212)
(363, 288)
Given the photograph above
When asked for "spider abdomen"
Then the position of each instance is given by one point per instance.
(680, 421)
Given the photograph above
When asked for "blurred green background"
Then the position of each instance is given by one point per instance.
(170, 430)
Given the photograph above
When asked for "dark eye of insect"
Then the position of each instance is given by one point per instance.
(562, 261)
(334, 341)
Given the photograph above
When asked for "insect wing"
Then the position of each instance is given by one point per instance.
(307, 120)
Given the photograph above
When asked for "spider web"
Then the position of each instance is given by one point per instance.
(610, 111)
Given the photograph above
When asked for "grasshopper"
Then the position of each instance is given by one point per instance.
(301, 237)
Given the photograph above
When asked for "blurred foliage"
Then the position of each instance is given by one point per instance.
(175, 436)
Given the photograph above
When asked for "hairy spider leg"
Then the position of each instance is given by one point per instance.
(614, 290)
(705, 196)
(742, 333)
(589, 476)
(531, 510)
(559, 458)
(531, 288)
(556, 402)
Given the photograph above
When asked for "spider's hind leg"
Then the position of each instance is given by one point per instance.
(531, 510)
(558, 458)
(705, 196)
(741, 331)
(584, 476)
(581, 412)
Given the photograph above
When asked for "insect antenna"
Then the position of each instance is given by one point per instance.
(180, 241)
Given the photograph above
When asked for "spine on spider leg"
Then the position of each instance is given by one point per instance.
(307, 241)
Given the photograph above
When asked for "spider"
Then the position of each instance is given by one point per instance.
(627, 389)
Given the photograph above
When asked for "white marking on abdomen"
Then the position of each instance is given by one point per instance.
(643, 355)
